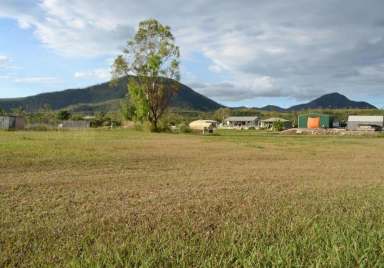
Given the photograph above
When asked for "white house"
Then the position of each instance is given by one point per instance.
(356, 122)
(268, 123)
(241, 122)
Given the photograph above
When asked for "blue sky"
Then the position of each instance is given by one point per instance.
(249, 53)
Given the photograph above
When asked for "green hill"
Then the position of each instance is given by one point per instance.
(103, 97)
(332, 101)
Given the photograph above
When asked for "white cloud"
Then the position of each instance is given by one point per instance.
(266, 48)
(215, 68)
(243, 89)
(4, 61)
(99, 74)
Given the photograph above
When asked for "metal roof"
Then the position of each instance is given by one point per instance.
(201, 121)
(275, 119)
(366, 118)
(241, 118)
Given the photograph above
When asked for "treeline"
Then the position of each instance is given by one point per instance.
(173, 117)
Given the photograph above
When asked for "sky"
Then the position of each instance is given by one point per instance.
(239, 53)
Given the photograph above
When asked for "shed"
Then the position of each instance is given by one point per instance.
(203, 124)
(315, 120)
(241, 121)
(356, 122)
(75, 124)
(12, 122)
(268, 123)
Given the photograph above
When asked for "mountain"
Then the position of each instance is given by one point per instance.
(332, 101)
(328, 101)
(272, 108)
(103, 97)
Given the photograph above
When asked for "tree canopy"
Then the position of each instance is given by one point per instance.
(153, 58)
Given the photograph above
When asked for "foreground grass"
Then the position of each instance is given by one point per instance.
(125, 198)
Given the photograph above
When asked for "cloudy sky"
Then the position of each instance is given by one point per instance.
(248, 52)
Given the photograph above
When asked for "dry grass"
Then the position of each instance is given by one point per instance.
(126, 198)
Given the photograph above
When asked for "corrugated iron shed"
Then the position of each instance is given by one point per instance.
(12, 122)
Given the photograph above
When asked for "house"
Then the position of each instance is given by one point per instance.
(269, 123)
(315, 120)
(365, 123)
(75, 124)
(12, 122)
(203, 125)
(241, 122)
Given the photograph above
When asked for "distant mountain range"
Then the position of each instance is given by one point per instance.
(103, 97)
(333, 101)
(328, 101)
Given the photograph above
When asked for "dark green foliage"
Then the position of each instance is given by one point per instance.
(127, 109)
(19, 111)
(150, 55)
(221, 113)
(63, 115)
(277, 126)
(103, 119)
(184, 128)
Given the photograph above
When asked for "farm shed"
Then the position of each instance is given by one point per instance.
(12, 122)
(268, 123)
(241, 121)
(203, 124)
(315, 120)
(75, 124)
(356, 122)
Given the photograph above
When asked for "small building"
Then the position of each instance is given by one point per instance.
(315, 120)
(269, 123)
(203, 125)
(241, 122)
(365, 123)
(12, 122)
(75, 124)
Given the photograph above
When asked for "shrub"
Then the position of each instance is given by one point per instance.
(277, 126)
(184, 128)
(63, 115)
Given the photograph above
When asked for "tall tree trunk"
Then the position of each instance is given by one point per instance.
(154, 127)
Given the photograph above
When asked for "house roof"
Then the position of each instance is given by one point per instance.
(241, 118)
(275, 119)
(366, 118)
(200, 121)
(202, 124)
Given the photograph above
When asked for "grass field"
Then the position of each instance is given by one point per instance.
(121, 198)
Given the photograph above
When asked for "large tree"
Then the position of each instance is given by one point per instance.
(152, 57)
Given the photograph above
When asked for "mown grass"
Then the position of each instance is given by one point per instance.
(123, 198)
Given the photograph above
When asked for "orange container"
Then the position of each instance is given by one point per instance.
(313, 122)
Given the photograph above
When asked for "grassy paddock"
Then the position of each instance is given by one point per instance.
(126, 198)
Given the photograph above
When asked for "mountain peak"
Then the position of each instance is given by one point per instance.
(334, 95)
(333, 100)
(95, 97)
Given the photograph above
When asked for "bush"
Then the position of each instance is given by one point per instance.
(277, 126)
(63, 115)
(142, 126)
(184, 128)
